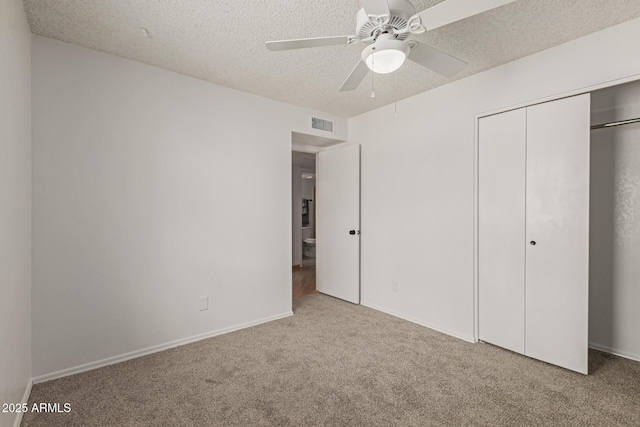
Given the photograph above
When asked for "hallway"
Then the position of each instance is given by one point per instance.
(304, 279)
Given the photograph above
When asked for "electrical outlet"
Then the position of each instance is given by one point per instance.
(204, 303)
(394, 286)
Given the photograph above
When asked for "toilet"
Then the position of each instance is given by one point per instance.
(308, 242)
(309, 247)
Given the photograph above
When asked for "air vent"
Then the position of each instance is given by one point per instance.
(321, 124)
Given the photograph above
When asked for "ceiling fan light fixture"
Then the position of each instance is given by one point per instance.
(385, 56)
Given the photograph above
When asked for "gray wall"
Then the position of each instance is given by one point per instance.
(15, 205)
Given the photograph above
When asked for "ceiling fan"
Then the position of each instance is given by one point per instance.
(384, 26)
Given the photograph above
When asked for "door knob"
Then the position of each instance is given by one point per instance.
(352, 232)
(532, 243)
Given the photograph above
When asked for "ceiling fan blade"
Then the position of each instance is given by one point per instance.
(435, 60)
(454, 10)
(302, 43)
(376, 7)
(356, 77)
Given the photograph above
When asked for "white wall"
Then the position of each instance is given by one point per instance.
(15, 205)
(145, 186)
(307, 187)
(296, 212)
(418, 175)
(614, 309)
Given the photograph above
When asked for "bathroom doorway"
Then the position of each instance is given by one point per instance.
(303, 223)
(308, 219)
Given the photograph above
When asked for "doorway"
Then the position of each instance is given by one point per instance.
(331, 214)
(303, 200)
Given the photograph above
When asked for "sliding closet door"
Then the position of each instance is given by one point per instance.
(501, 250)
(557, 255)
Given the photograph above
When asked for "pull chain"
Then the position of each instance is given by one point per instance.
(395, 95)
(373, 67)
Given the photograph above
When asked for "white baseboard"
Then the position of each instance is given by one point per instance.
(25, 399)
(467, 338)
(613, 351)
(154, 349)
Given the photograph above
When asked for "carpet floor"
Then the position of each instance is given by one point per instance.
(338, 364)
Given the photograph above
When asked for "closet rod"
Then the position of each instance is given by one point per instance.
(612, 124)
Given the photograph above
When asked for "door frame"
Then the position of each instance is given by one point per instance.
(476, 140)
(310, 149)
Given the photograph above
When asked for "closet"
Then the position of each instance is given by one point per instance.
(614, 279)
(533, 231)
(559, 227)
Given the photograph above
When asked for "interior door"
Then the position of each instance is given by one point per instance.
(501, 220)
(557, 254)
(338, 222)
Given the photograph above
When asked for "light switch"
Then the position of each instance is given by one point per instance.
(204, 303)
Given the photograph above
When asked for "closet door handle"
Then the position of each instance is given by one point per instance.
(532, 243)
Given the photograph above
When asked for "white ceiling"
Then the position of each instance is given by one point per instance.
(306, 161)
(222, 41)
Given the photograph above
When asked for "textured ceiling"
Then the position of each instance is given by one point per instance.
(222, 41)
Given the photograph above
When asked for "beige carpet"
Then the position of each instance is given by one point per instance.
(337, 364)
